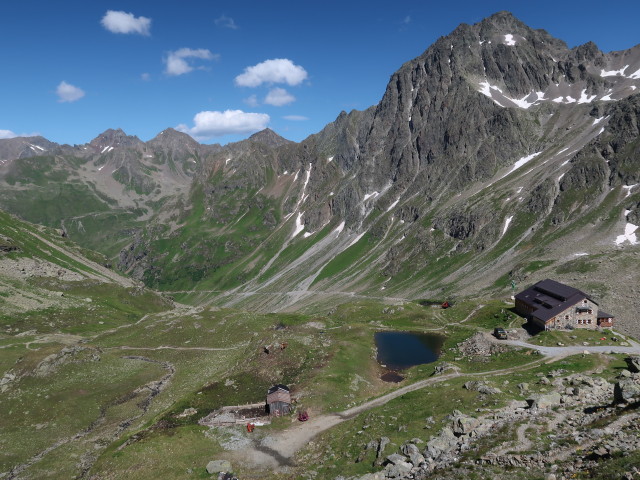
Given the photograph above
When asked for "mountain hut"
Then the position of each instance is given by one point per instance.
(278, 400)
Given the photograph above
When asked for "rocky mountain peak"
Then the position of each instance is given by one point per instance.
(269, 138)
(114, 138)
(172, 139)
(505, 20)
(24, 147)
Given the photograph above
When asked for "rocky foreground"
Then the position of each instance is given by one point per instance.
(583, 421)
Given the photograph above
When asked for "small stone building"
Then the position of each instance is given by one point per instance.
(278, 400)
(552, 305)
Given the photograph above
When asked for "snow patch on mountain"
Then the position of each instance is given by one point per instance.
(613, 73)
(299, 225)
(507, 221)
(584, 98)
(367, 196)
(628, 189)
(522, 161)
(629, 235)
(392, 206)
(356, 240)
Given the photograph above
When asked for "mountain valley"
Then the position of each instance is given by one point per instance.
(142, 282)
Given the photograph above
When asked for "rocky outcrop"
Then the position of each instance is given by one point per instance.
(627, 389)
(633, 363)
(479, 346)
(579, 400)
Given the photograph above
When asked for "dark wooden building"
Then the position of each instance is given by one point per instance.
(278, 400)
(553, 305)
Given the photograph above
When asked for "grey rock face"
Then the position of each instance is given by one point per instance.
(627, 389)
(464, 424)
(545, 400)
(425, 174)
(217, 466)
(444, 442)
(481, 387)
(633, 363)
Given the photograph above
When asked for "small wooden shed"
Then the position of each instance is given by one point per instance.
(278, 400)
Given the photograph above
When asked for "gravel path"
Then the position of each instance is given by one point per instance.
(633, 349)
(277, 450)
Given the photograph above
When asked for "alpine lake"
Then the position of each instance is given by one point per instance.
(398, 351)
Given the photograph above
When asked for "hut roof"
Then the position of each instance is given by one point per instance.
(550, 298)
(279, 396)
(278, 393)
(277, 387)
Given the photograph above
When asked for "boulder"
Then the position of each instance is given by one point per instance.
(395, 458)
(384, 441)
(518, 404)
(481, 387)
(627, 390)
(633, 363)
(546, 400)
(398, 470)
(444, 442)
(463, 425)
(442, 368)
(217, 466)
(413, 452)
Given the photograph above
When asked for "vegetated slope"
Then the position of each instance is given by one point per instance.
(99, 192)
(49, 284)
(499, 154)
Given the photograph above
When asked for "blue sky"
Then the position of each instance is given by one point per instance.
(221, 70)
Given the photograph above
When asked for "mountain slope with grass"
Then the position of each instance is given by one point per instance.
(498, 155)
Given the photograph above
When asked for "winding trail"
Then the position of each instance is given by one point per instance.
(168, 347)
(281, 447)
(632, 349)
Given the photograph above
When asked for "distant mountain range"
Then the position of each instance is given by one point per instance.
(499, 154)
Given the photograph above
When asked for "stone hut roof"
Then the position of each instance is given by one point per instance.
(551, 298)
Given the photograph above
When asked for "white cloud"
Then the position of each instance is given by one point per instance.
(279, 97)
(176, 63)
(277, 70)
(145, 77)
(122, 22)
(7, 134)
(252, 101)
(210, 124)
(226, 22)
(68, 93)
(295, 118)
(407, 20)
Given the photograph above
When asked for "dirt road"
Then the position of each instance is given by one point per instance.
(277, 450)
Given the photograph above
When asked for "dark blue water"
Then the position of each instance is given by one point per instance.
(400, 350)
